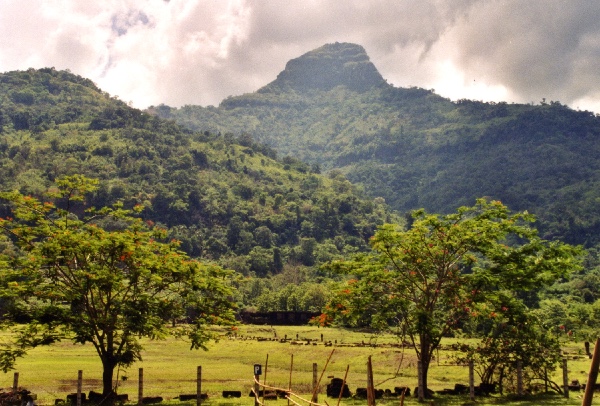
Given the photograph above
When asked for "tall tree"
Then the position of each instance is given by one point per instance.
(103, 277)
(426, 280)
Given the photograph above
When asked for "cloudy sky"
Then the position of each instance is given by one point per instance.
(181, 52)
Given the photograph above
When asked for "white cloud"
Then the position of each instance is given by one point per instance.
(200, 51)
(452, 83)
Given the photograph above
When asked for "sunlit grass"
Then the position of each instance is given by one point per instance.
(170, 367)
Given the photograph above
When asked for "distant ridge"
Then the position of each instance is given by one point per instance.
(415, 149)
(327, 67)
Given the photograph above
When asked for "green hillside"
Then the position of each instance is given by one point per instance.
(276, 183)
(415, 149)
(226, 198)
(268, 211)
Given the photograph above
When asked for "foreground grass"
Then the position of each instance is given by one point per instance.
(170, 368)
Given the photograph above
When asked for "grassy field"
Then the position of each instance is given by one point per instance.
(170, 368)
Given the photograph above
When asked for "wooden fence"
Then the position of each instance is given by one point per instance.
(262, 390)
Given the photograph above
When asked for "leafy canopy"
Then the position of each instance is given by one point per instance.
(511, 336)
(223, 195)
(427, 280)
(101, 276)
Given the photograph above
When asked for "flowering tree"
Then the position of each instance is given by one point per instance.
(425, 281)
(100, 276)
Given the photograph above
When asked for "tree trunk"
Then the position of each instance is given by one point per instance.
(426, 350)
(108, 368)
(425, 368)
(487, 376)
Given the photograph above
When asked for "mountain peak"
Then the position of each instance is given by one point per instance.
(327, 67)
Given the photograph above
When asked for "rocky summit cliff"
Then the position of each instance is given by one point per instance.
(327, 67)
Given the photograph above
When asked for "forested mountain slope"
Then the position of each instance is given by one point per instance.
(416, 149)
(226, 198)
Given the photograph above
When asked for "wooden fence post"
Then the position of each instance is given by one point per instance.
(140, 386)
(79, 385)
(593, 375)
(370, 386)
(290, 383)
(587, 348)
(471, 380)
(317, 382)
(256, 388)
(265, 379)
(565, 378)
(315, 397)
(519, 378)
(343, 386)
(15, 382)
(199, 385)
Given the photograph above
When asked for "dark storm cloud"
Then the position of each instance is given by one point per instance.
(537, 49)
(200, 51)
(396, 34)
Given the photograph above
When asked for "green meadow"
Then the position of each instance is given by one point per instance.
(170, 368)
